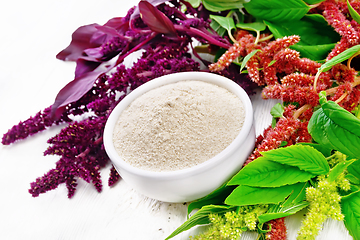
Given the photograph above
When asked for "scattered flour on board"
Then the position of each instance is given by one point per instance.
(178, 125)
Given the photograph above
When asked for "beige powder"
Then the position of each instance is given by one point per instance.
(178, 125)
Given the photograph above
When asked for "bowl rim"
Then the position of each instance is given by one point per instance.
(168, 79)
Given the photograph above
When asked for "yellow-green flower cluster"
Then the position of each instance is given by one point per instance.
(232, 224)
(324, 203)
(336, 158)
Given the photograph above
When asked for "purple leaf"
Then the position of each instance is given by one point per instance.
(91, 36)
(73, 91)
(83, 66)
(109, 30)
(81, 40)
(155, 19)
(153, 2)
(116, 22)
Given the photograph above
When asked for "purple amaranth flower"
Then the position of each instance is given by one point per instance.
(95, 92)
(31, 126)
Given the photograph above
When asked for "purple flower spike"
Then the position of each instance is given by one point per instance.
(114, 176)
(73, 91)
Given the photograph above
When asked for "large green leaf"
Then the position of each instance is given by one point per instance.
(336, 128)
(313, 1)
(216, 197)
(266, 173)
(350, 207)
(314, 52)
(354, 169)
(278, 211)
(222, 5)
(245, 195)
(304, 157)
(298, 195)
(321, 148)
(277, 10)
(317, 38)
(201, 217)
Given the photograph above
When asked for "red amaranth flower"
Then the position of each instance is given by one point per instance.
(243, 46)
(264, 60)
(341, 73)
(352, 100)
(341, 46)
(227, 58)
(339, 22)
(299, 79)
(252, 66)
(278, 229)
(281, 43)
(292, 93)
(274, 137)
(286, 60)
(307, 66)
(342, 89)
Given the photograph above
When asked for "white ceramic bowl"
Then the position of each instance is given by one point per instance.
(192, 183)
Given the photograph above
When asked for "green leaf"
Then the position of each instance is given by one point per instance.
(335, 128)
(225, 22)
(277, 10)
(353, 189)
(254, 26)
(314, 52)
(216, 26)
(216, 197)
(317, 37)
(247, 57)
(277, 110)
(338, 169)
(313, 30)
(352, 179)
(353, 13)
(313, 1)
(201, 217)
(266, 173)
(350, 207)
(277, 211)
(273, 123)
(354, 169)
(271, 63)
(302, 156)
(339, 58)
(194, 3)
(222, 5)
(321, 148)
(298, 195)
(356, 111)
(245, 195)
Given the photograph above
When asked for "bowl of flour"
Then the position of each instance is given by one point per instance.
(179, 137)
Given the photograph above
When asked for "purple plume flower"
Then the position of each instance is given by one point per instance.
(164, 35)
